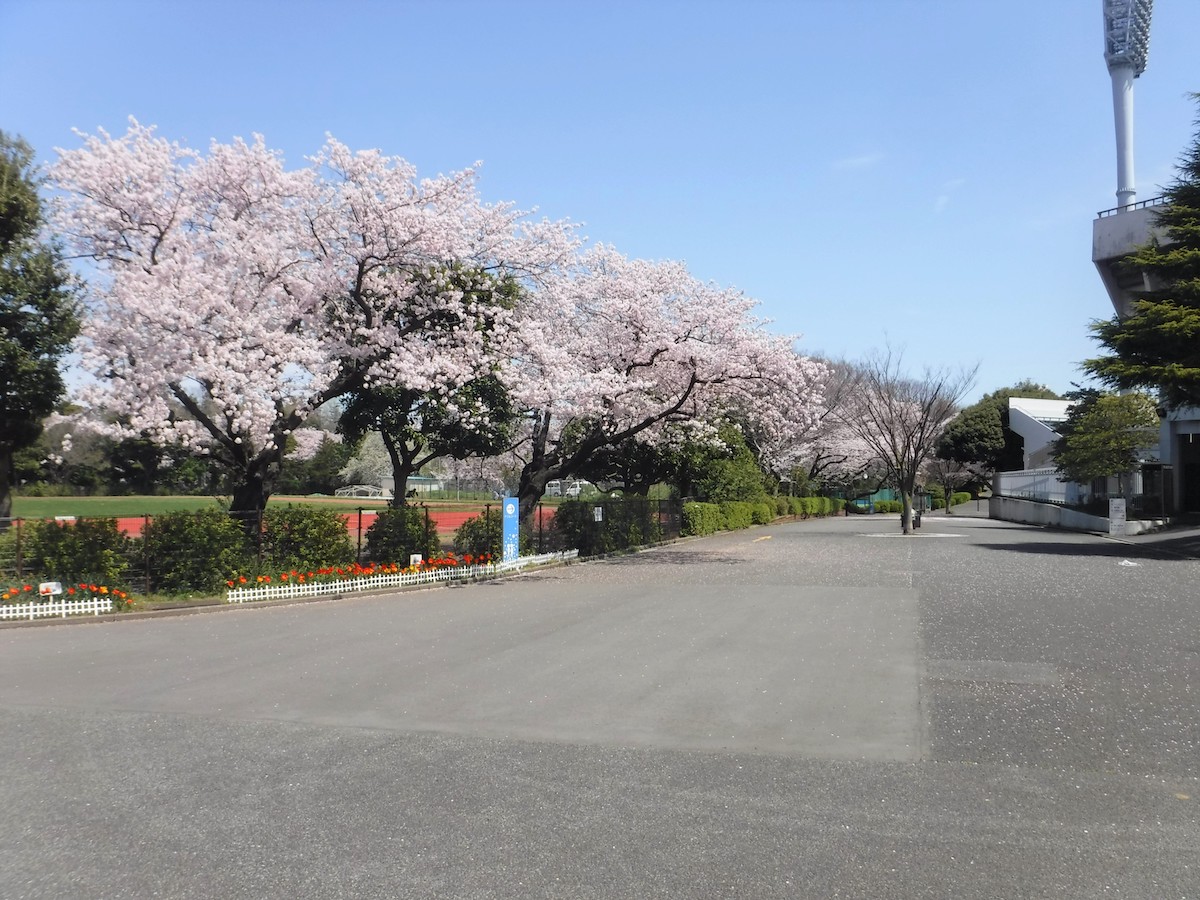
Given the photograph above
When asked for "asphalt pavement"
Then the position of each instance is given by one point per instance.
(812, 709)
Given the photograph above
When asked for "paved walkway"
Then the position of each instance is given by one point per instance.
(822, 708)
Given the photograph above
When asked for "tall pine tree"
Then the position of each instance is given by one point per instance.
(1157, 347)
(39, 315)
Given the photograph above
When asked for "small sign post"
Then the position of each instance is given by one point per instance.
(512, 530)
(1116, 515)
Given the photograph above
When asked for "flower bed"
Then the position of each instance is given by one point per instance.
(354, 578)
(83, 599)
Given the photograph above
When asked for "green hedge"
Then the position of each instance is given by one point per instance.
(960, 497)
(813, 507)
(708, 518)
(702, 518)
(397, 533)
(305, 537)
(194, 552)
(90, 550)
(481, 535)
(624, 524)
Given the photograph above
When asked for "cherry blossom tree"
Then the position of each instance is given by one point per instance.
(232, 296)
(900, 417)
(614, 349)
(831, 454)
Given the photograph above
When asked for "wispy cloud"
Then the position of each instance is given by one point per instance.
(948, 188)
(863, 161)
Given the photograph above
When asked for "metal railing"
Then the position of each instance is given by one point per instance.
(1141, 204)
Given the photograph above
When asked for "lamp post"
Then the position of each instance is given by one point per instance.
(1126, 42)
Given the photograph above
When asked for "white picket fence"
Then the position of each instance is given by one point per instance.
(40, 609)
(293, 589)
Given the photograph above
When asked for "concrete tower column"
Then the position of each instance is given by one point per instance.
(1122, 91)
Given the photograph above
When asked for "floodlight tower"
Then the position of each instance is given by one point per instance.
(1118, 232)
(1126, 42)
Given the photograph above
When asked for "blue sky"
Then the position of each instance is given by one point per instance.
(919, 172)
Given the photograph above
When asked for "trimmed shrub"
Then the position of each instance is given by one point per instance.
(625, 523)
(305, 537)
(763, 513)
(736, 514)
(701, 518)
(960, 497)
(481, 534)
(782, 507)
(90, 550)
(189, 552)
(399, 532)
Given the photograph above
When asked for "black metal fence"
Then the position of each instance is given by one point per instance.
(197, 553)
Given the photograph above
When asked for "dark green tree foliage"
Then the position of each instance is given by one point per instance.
(632, 467)
(417, 427)
(318, 474)
(1103, 434)
(39, 315)
(728, 473)
(1157, 346)
(979, 436)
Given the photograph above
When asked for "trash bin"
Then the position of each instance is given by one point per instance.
(917, 519)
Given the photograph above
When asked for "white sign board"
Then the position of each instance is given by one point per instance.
(1116, 515)
(50, 588)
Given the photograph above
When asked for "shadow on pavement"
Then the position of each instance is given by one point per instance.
(1185, 552)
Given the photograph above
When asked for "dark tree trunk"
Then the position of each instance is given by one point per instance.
(402, 468)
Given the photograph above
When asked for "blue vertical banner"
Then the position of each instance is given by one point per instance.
(512, 530)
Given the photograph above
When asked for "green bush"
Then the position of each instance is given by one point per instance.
(190, 552)
(701, 518)
(305, 537)
(399, 532)
(624, 524)
(782, 506)
(960, 497)
(939, 503)
(90, 550)
(763, 513)
(8, 551)
(736, 514)
(481, 534)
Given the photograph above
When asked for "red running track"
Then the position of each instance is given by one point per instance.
(447, 521)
